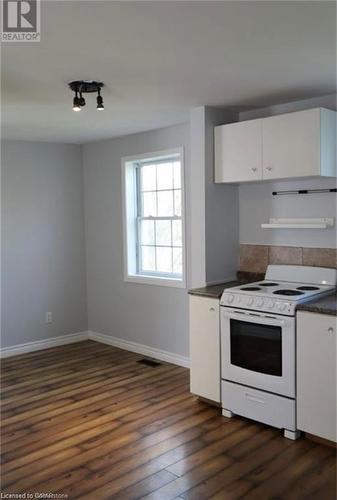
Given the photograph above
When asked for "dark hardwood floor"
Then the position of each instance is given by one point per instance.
(87, 420)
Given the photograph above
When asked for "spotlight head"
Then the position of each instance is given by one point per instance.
(100, 106)
(81, 100)
(76, 104)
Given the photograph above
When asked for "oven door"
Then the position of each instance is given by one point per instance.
(258, 350)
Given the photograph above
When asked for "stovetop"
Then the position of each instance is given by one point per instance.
(288, 290)
(277, 293)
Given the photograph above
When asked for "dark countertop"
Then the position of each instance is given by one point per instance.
(324, 305)
(214, 291)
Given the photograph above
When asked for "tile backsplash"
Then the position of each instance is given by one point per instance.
(255, 258)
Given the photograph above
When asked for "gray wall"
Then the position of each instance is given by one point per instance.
(153, 315)
(197, 221)
(222, 209)
(214, 234)
(43, 258)
(257, 204)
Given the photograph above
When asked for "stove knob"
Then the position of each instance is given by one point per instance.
(271, 304)
(250, 301)
(230, 298)
(260, 302)
(282, 306)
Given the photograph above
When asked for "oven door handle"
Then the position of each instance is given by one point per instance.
(254, 318)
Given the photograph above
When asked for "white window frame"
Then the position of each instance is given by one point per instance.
(130, 220)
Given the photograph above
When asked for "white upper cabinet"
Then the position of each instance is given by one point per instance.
(238, 151)
(293, 144)
(300, 144)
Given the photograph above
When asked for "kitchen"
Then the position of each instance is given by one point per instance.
(168, 253)
(241, 332)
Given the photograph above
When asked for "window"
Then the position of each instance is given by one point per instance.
(153, 222)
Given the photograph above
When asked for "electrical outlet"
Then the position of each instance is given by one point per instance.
(49, 317)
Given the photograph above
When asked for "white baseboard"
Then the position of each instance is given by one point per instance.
(151, 352)
(37, 345)
(127, 345)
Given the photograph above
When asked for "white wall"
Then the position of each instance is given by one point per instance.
(43, 258)
(257, 204)
(325, 101)
(152, 315)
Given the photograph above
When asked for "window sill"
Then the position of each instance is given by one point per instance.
(152, 280)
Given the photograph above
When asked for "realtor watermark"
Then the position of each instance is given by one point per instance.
(21, 21)
(36, 494)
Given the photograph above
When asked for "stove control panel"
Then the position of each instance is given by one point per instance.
(262, 304)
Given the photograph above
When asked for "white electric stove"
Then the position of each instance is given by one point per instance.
(283, 288)
(258, 342)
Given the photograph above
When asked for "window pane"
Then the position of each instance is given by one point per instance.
(176, 233)
(158, 214)
(148, 178)
(148, 262)
(177, 174)
(165, 203)
(177, 202)
(149, 204)
(177, 260)
(164, 259)
(147, 232)
(163, 233)
(164, 176)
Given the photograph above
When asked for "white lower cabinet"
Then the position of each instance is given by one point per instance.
(316, 374)
(205, 347)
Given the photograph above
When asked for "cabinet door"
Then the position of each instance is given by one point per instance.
(205, 347)
(316, 374)
(238, 152)
(291, 145)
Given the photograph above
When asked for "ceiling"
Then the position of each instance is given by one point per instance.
(158, 59)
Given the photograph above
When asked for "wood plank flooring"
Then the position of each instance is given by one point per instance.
(88, 421)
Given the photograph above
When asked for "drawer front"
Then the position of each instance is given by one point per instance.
(264, 407)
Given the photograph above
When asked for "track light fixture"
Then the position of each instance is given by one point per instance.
(85, 87)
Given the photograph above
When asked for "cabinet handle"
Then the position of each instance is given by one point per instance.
(269, 168)
(211, 309)
(331, 331)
